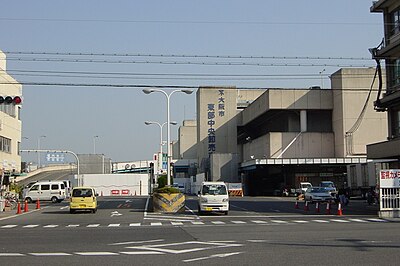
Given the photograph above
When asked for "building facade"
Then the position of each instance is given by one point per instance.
(389, 101)
(10, 124)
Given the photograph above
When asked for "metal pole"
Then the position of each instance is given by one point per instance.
(168, 141)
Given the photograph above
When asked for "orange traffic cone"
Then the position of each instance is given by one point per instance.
(306, 207)
(37, 204)
(328, 208)
(26, 206)
(296, 205)
(317, 207)
(339, 210)
(19, 211)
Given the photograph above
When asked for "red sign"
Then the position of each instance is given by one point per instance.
(125, 192)
(114, 192)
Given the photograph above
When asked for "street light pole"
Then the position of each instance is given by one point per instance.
(168, 96)
(94, 144)
(38, 147)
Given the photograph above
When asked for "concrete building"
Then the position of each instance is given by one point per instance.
(269, 139)
(10, 124)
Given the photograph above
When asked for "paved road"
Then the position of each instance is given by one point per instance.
(268, 231)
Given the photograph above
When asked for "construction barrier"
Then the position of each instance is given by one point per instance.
(236, 193)
(340, 213)
(37, 204)
(19, 211)
(26, 206)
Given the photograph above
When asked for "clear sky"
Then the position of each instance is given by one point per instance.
(157, 32)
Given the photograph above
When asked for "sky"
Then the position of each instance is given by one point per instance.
(84, 63)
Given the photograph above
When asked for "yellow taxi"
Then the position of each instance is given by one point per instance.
(83, 198)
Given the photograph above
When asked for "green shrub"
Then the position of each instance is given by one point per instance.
(162, 181)
(169, 190)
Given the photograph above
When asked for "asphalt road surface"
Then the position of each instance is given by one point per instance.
(257, 231)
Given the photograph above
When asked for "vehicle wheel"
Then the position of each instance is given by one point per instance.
(94, 210)
(199, 211)
(71, 211)
(29, 200)
(226, 212)
(54, 199)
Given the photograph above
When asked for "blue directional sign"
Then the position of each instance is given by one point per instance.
(55, 157)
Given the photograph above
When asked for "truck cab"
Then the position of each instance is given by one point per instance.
(330, 187)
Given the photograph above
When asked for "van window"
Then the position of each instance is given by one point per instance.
(62, 186)
(34, 188)
(214, 190)
(45, 187)
(54, 187)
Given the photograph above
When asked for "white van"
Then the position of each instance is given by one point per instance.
(213, 197)
(46, 190)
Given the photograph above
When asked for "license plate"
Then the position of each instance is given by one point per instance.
(82, 205)
(208, 209)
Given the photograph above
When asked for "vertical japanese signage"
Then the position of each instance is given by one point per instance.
(212, 111)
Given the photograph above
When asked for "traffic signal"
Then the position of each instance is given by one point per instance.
(10, 99)
(152, 168)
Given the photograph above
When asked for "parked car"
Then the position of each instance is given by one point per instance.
(303, 186)
(319, 194)
(329, 186)
(213, 197)
(83, 198)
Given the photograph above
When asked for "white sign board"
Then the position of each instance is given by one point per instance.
(390, 178)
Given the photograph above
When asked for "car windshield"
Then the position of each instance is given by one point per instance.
(327, 185)
(82, 193)
(318, 190)
(214, 190)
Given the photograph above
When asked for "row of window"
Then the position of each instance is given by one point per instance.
(47, 187)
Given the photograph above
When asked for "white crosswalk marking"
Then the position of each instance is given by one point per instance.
(31, 226)
(51, 226)
(218, 222)
(134, 224)
(96, 253)
(114, 225)
(320, 221)
(259, 222)
(279, 221)
(9, 226)
(176, 223)
(339, 221)
(238, 222)
(376, 220)
(11, 254)
(73, 225)
(300, 221)
(93, 225)
(155, 224)
(197, 223)
(358, 220)
(51, 254)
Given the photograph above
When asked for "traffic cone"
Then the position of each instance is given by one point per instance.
(328, 208)
(19, 211)
(306, 207)
(26, 206)
(37, 204)
(317, 207)
(296, 205)
(339, 210)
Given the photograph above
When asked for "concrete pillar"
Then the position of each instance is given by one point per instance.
(303, 121)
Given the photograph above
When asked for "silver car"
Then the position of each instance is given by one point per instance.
(319, 194)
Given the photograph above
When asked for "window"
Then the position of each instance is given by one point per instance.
(35, 188)
(396, 72)
(395, 122)
(54, 187)
(45, 187)
(395, 22)
(5, 144)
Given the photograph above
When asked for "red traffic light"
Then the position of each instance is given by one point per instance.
(10, 99)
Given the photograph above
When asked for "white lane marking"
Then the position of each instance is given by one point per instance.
(155, 224)
(9, 226)
(73, 225)
(136, 242)
(115, 213)
(377, 220)
(339, 221)
(141, 252)
(65, 207)
(93, 225)
(214, 256)
(259, 222)
(114, 225)
(238, 222)
(134, 224)
(50, 254)
(11, 254)
(176, 223)
(300, 221)
(51, 226)
(96, 253)
(257, 240)
(217, 222)
(166, 219)
(279, 221)
(358, 220)
(31, 226)
(197, 223)
(321, 221)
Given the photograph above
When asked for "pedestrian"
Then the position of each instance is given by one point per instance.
(342, 197)
(370, 198)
